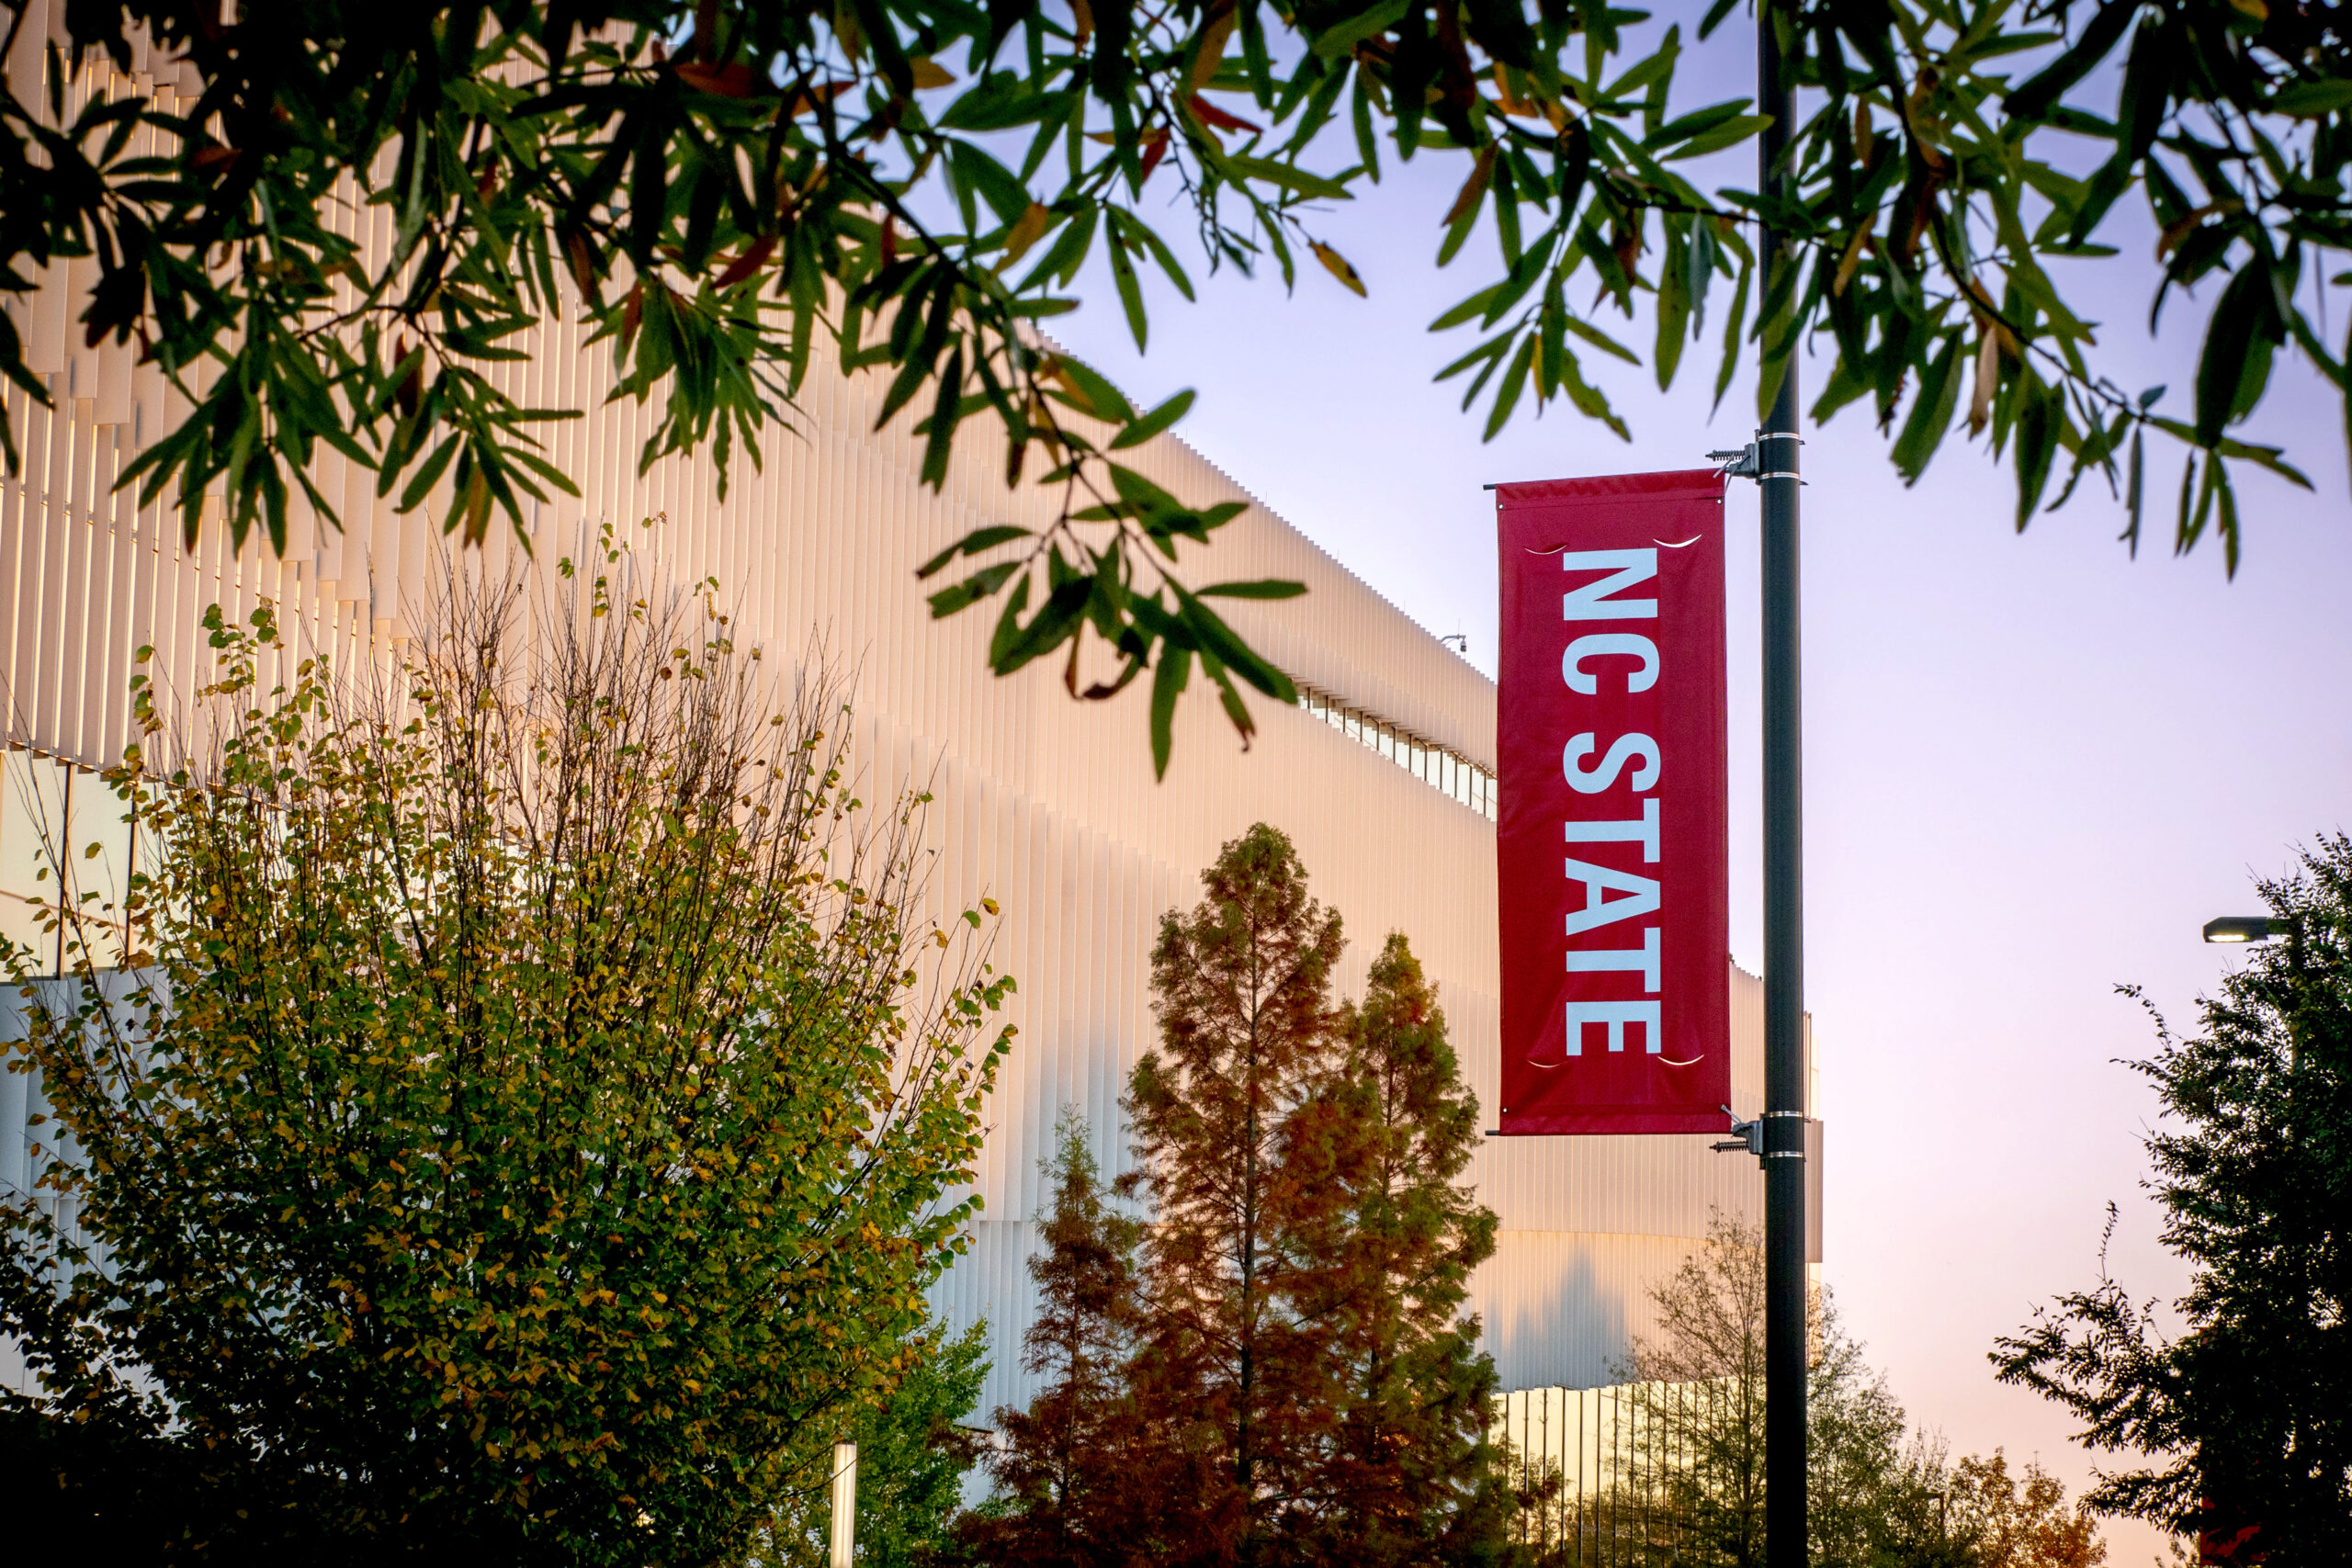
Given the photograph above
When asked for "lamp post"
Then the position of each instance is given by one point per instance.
(1775, 450)
(2240, 928)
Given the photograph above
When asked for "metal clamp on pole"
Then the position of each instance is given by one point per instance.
(1747, 462)
(1790, 1143)
(1740, 462)
(1747, 1137)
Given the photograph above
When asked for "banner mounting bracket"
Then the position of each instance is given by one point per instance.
(1747, 1137)
(1747, 462)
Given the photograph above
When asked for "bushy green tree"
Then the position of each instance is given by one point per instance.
(1710, 1337)
(530, 1115)
(914, 1447)
(913, 1451)
(1866, 1487)
(2239, 1429)
(1878, 1494)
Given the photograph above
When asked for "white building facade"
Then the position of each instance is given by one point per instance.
(1382, 777)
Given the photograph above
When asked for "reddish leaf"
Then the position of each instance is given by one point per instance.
(750, 262)
(719, 81)
(1209, 114)
(1155, 147)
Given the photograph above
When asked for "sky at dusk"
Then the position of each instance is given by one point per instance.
(2034, 766)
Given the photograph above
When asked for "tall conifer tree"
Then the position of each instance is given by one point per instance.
(1082, 1482)
(1417, 1476)
(1299, 1385)
(1242, 1150)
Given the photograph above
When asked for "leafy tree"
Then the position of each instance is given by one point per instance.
(528, 1115)
(2021, 1520)
(725, 188)
(2239, 1429)
(1877, 1496)
(913, 1451)
(1865, 1486)
(1711, 1338)
(1419, 1477)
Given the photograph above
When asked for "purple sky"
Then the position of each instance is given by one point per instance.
(2034, 767)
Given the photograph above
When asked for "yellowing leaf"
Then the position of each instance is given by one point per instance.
(1988, 369)
(1212, 51)
(1336, 265)
(1026, 231)
(1852, 261)
(1466, 200)
(929, 73)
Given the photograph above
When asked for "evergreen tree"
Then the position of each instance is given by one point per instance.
(1082, 1479)
(1246, 1156)
(1274, 1369)
(2243, 1425)
(1418, 1476)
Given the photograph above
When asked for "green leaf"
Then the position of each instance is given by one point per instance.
(1057, 619)
(2311, 100)
(2229, 335)
(2269, 459)
(1931, 412)
(421, 483)
(1167, 681)
(972, 590)
(1264, 588)
(975, 172)
(1140, 430)
(2098, 36)
(1103, 401)
(941, 439)
(971, 544)
(1336, 42)
(2041, 415)
(1122, 272)
(1214, 637)
(1734, 322)
(1600, 339)
(2135, 489)
(1290, 176)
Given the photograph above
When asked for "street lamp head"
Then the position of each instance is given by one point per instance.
(2239, 928)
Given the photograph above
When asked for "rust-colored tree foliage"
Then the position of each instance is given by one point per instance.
(1246, 1154)
(1414, 1472)
(2021, 1520)
(1084, 1480)
(1274, 1369)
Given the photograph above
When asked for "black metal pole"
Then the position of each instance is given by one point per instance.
(1784, 1086)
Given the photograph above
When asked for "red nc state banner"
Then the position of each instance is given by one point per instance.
(1611, 848)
